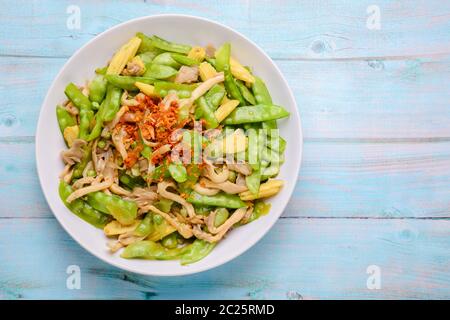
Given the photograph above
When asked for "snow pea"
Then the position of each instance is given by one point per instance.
(182, 90)
(262, 96)
(246, 94)
(258, 113)
(161, 172)
(80, 166)
(97, 88)
(184, 60)
(150, 250)
(261, 208)
(253, 181)
(253, 148)
(207, 113)
(223, 64)
(166, 59)
(64, 118)
(170, 241)
(170, 46)
(77, 97)
(101, 71)
(86, 116)
(127, 82)
(196, 251)
(147, 152)
(148, 56)
(164, 205)
(122, 210)
(178, 172)
(81, 208)
(215, 95)
(159, 71)
(131, 182)
(222, 215)
(221, 199)
(145, 227)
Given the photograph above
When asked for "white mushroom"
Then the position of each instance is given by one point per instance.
(75, 153)
(205, 191)
(184, 229)
(162, 190)
(226, 186)
(117, 139)
(211, 173)
(143, 196)
(240, 167)
(202, 89)
(86, 190)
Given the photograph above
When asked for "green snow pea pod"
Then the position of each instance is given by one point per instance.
(166, 86)
(86, 116)
(170, 46)
(81, 208)
(80, 166)
(196, 251)
(222, 215)
(112, 103)
(207, 112)
(170, 241)
(246, 94)
(261, 208)
(222, 62)
(145, 227)
(131, 182)
(178, 172)
(159, 71)
(184, 60)
(166, 59)
(253, 181)
(262, 96)
(161, 172)
(127, 82)
(150, 250)
(101, 71)
(232, 88)
(202, 210)
(123, 211)
(146, 44)
(258, 113)
(146, 152)
(215, 95)
(219, 200)
(253, 148)
(164, 205)
(77, 97)
(97, 88)
(148, 56)
(64, 118)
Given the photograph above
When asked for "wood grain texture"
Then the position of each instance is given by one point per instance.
(299, 258)
(373, 188)
(359, 100)
(396, 180)
(288, 29)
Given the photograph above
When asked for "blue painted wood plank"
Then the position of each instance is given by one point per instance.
(344, 100)
(383, 180)
(299, 258)
(295, 29)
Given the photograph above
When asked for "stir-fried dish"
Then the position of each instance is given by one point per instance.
(169, 147)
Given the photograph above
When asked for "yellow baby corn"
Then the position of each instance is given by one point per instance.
(239, 71)
(147, 89)
(225, 109)
(197, 53)
(268, 189)
(115, 228)
(125, 54)
(206, 71)
(70, 134)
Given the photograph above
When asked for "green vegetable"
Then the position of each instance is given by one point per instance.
(159, 71)
(170, 241)
(127, 82)
(253, 181)
(148, 56)
(196, 251)
(222, 215)
(122, 210)
(131, 182)
(178, 172)
(157, 219)
(97, 88)
(215, 95)
(150, 250)
(219, 200)
(147, 152)
(81, 208)
(170, 46)
(163, 87)
(262, 96)
(256, 113)
(248, 96)
(261, 208)
(86, 117)
(207, 112)
(184, 60)
(164, 205)
(146, 45)
(145, 227)
(77, 97)
(64, 118)
(166, 59)
(80, 166)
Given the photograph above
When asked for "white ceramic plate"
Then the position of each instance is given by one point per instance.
(184, 29)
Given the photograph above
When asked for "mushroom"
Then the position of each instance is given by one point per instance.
(202, 89)
(184, 229)
(142, 196)
(205, 191)
(226, 186)
(86, 190)
(210, 173)
(240, 167)
(162, 190)
(117, 139)
(75, 153)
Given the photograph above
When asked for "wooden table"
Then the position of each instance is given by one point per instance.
(373, 194)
